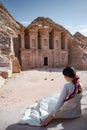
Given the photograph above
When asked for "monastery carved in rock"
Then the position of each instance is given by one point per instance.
(43, 43)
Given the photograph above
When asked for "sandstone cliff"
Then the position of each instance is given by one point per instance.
(81, 39)
(8, 25)
(9, 28)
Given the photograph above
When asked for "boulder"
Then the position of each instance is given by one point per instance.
(4, 74)
(16, 68)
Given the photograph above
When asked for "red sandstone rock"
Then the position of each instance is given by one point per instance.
(4, 74)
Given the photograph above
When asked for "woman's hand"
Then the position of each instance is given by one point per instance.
(46, 121)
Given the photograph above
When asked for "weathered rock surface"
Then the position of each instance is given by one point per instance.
(9, 28)
(82, 40)
(16, 68)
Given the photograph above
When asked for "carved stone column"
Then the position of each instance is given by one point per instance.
(22, 38)
(56, 39)
(33, 39)
(12, 46)
(44, 38)
(66, 42)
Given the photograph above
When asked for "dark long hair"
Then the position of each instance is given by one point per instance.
(70, 72)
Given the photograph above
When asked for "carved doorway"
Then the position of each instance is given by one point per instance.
(45, 61)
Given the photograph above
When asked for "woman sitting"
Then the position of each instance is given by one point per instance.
(64, 105)
(68, 104)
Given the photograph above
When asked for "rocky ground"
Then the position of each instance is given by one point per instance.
(27, 87)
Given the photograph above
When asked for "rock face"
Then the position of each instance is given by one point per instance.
(79, 51)
(9, 28)
(8, 25)
(82, 40)
(43, 43)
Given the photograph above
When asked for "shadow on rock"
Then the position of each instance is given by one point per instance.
(52, 125)
(58, 124)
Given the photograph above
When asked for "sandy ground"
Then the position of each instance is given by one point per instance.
(24, 89)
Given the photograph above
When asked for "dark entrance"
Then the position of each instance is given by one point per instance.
(45, 61)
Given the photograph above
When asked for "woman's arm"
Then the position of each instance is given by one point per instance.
(58, 105)
(61, 99)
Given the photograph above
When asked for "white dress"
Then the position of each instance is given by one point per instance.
(54, 104)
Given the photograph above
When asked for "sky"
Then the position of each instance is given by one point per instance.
(72, 14)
